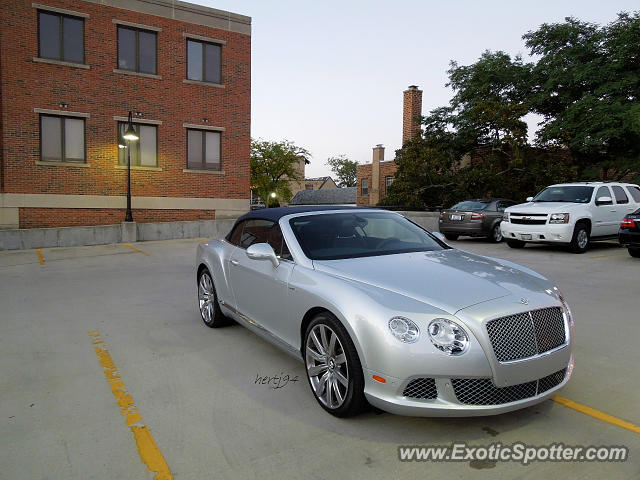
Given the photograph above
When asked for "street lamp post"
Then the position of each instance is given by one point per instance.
(130, 135)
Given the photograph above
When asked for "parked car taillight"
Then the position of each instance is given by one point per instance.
(627, 223)
(477, 216)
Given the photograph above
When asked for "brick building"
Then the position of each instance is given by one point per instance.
(70, 71)
(374, 178)
(306, 183)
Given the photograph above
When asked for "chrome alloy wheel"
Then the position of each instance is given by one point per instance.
(497, 234)
(582, 239)
(327, 366)
(206, 297)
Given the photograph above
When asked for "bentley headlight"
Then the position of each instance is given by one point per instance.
(505, 217)
(565, 307)
(448, 336)
(404, 329)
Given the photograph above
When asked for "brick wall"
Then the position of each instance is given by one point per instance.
(365, 171)
(103, 93)
(72, 217)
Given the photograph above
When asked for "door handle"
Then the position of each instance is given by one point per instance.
(235, 262)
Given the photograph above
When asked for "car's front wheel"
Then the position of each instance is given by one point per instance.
(210, 311)
(333, 367)
(634, 252)
(496, 233)
(580, 240)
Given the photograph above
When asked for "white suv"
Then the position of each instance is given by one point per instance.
(570, 213)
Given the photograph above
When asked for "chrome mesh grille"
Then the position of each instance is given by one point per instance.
(526, 334)
(512, 337)
(421, 388)
(550, 381)
(549, 327)
(482, 391)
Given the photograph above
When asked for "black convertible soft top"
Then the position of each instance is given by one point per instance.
(276, 214)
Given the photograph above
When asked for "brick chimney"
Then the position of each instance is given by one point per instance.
(374, 188)
(411, 113)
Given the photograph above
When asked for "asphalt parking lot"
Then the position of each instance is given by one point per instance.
(194, 399)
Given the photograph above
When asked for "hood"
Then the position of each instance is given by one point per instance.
(447, 279)
(544, 207)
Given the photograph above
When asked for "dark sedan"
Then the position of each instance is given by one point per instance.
(629, 233)
(479, 217)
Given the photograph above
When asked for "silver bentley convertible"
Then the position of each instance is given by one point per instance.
(383, 312)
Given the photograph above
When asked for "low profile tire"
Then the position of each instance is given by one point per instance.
(333, 367)
(451, 236)
(580, 240)
(634, 252)
(496, 234)
(210, 311)
(516, 243)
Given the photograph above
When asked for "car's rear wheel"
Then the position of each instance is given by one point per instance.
(333, 367)
(634, 252)
(451, 236)
(496, 233)
(208, 301)
(516, 243)
(580, 240)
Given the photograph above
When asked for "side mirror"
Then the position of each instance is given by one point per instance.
(262, 251)
(604, 201)
(439, 236)
(529, 199)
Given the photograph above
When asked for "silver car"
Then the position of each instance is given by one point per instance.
(382, 312)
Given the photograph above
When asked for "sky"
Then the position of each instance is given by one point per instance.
(329, 75)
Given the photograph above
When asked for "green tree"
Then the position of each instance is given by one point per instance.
(584, 82)
(486, 110)
(345, 170)
(586, 86)
(272, 166)
(490, 99)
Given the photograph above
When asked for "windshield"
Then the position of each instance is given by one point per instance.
(567, 193)
(336, 236)
(471, 205)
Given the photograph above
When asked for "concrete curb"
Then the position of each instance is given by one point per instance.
(22, 239)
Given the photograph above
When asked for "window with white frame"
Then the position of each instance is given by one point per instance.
(388, 181)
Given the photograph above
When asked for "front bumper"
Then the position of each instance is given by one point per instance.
(628, 238)
(548, 233)
(389, 397)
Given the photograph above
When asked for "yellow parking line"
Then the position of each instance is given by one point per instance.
(135, 249)
(592, 412)
(608, 255)
(40, 257)
(149, 452)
